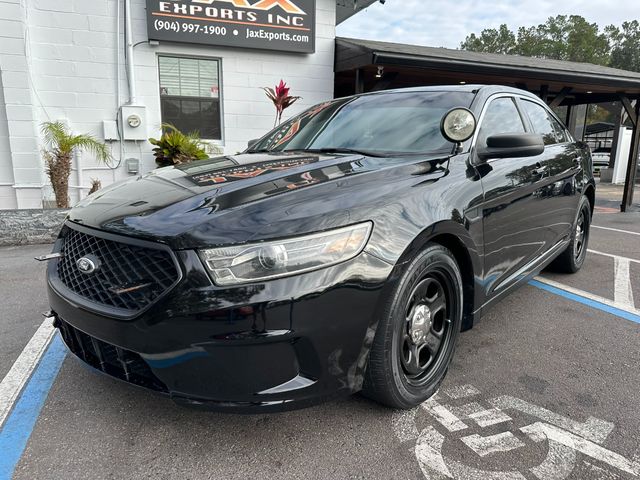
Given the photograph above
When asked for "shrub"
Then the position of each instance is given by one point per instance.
(95, 185)
(281, 99)
(175, 147)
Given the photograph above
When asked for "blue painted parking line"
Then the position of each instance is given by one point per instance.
(17, 429)
(618, 312)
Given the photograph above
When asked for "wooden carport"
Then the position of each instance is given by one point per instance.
(365, 65)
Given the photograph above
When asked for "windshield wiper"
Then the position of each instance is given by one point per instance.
(340, 150)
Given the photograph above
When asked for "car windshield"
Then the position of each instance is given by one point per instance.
(401, 123)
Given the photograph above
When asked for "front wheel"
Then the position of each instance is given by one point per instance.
(417, 331)
(572, 259)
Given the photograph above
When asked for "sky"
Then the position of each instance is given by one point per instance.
(446, 23)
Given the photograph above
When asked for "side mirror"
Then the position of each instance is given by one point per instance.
(458, 125)
(512, 145)
(251, 143)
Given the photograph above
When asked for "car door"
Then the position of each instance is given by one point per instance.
(515, 227)
(562, 164)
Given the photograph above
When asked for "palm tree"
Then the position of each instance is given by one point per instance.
(58, 153)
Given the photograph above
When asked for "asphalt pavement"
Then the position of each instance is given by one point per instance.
(546, 386)
(24, 299)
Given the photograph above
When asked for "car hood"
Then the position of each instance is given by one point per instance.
(235, 199)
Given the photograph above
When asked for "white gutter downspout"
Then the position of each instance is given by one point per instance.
(130, 64)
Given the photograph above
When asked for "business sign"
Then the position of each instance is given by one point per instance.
(283, 25)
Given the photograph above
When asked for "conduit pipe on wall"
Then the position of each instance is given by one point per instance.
(129, 52)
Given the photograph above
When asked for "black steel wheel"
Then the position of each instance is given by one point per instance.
(572, 259)
(417, 331)
(581, 234)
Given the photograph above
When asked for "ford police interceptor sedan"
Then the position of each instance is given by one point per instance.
(342, 252)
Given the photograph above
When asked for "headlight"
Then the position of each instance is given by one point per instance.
(269, 260)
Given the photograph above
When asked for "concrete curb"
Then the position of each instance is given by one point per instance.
(30, 227)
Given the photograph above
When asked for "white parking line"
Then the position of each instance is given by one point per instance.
(616, 230)
(610, 255)
(540, 431)
(593, 428)
(500, 442)
(590, 296)
(482, 416)
(566, 437)
(622, 293)
(445, 416)
(21, 371)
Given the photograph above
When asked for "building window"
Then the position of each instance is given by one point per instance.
(190, 95)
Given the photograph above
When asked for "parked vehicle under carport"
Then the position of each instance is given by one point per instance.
(600, 159)
(344, 251)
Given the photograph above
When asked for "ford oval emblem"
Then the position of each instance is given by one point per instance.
(88, 264)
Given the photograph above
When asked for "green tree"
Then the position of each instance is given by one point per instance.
(528, 42)
(562, 37)
(60, 145)
(625, 45)
(491, 40)
(584, 42)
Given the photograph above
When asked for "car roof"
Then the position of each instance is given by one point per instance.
(473, 88)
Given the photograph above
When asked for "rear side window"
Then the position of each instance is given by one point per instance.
(544, 124)
(501, 116)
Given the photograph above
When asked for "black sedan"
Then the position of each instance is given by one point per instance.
(342, 252)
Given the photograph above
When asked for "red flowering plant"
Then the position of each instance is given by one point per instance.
(281, 99)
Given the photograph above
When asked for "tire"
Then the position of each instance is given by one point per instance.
(572, 258)
(408, 362)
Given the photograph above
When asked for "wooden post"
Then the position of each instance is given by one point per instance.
(634, 151)
(557, 101)
(359, 81)
(568, 115)
(544, 93)
(616, 137)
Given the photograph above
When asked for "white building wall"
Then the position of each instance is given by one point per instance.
(71, 75)
(7, 193)
(25, 174)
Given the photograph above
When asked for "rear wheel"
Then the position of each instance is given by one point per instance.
(417, 332)
(572, 259)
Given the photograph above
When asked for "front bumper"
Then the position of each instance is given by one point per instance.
(278, 345)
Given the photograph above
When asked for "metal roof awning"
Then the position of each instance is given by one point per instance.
(589, 83)
(347, 8)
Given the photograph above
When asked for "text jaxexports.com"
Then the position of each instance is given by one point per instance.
(273, 36)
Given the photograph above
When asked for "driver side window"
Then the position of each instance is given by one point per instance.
(501, 116)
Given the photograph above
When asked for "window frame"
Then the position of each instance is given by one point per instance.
(514, 98)
(518, 98)
(523, 119)
(552, 114)
(221, 142)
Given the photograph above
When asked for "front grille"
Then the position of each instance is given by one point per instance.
(112, 360)
(145, 272)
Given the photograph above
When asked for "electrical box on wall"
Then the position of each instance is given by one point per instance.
(110, 131)
(133, 166)
(134, 122)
